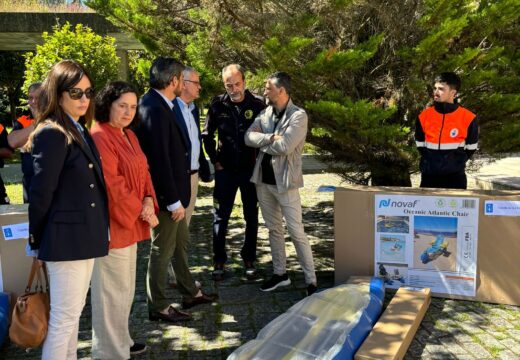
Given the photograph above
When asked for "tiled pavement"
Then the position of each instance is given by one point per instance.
(451, 329)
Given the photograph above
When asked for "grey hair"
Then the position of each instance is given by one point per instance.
(188, 70)
(235, 67)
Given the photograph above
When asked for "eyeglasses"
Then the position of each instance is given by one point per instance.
(194, 82)
(76, 93)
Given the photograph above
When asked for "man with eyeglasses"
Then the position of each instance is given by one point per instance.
(230, 115)
(189, 120)
(187, 115)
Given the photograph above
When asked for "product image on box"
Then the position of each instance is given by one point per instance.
(391, 273)
(426, 241)
(438, 247)
(433, 237)
(392, 248)
(393, 224)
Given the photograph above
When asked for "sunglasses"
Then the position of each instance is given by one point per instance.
(76, 93)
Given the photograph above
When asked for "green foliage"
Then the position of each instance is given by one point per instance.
(139, 63)
(97, 54)
(363, 132)
(11, 79)
(363, 69)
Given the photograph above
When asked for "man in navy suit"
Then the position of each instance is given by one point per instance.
(167, 151)
(187, 113)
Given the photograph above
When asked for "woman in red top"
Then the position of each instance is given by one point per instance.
(131, 201)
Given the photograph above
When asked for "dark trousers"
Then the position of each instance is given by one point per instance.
(26, 182)
(448, 181)
(226, 185)
(170, 242)
(4, 200)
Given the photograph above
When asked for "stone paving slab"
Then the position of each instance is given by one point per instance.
(451, 329)
(500, 174)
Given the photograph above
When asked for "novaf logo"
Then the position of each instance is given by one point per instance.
(384, 203)
(398, 204)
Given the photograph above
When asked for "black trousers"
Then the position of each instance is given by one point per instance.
(26, 182)
(448, 181)
(4, 199)
(226, 185)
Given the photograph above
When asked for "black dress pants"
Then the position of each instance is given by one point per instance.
(448, 181)
(226, 185)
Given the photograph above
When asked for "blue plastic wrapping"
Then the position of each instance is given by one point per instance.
(331, 324)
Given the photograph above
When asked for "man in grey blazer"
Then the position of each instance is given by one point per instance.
(279, 133)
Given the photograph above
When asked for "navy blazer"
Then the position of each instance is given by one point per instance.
(68, 212)
(204, 171)
(166, 149)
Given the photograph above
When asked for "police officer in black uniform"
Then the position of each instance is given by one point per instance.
(230, 115)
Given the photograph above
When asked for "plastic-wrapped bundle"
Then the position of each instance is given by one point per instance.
(331, 324)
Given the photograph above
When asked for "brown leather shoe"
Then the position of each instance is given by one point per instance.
(173, 316)
(203, 299)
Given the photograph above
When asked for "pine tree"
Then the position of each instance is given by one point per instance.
(363, 69)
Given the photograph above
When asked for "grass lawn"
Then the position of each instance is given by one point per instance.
(15, 193)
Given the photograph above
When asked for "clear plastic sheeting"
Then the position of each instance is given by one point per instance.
(327, 324)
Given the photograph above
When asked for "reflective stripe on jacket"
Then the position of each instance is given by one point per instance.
(447, 131)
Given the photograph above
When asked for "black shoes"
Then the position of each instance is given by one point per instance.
(218, 272)
(311, 289)
(173, 316)
(138, 349)
(250, 270)
(203, 299)
(275, 282)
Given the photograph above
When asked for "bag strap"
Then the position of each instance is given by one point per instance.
(46, 276)
(34, 269)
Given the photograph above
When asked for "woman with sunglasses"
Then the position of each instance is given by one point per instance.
(131, 200)
(68, 211)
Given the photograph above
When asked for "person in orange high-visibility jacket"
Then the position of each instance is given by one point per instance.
(446, 135)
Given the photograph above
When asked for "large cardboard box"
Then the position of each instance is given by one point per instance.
(394, 331)
(498, 252)
(15, 265)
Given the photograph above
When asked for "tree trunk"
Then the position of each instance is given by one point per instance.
(391, 174)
